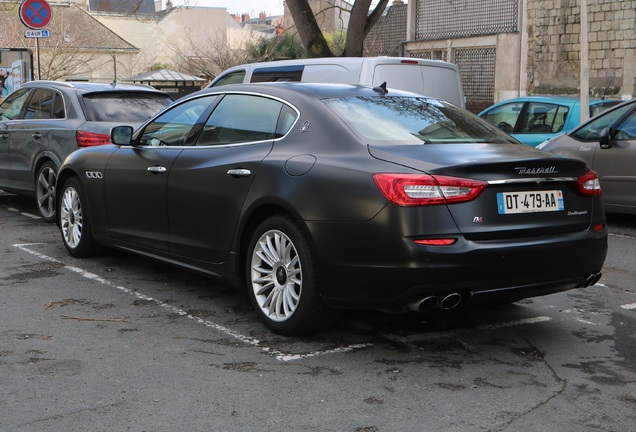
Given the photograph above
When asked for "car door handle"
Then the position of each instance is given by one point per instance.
(239, 172)
(36, 135)
(4, 136)
(157, 169)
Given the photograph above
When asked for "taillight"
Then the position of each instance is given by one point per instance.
(408, 190)
(90, 139)
(589, 184)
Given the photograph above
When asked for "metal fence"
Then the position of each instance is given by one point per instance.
(442, 19)
(477, 70)
(388, 33)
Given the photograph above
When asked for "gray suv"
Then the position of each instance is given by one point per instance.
(44, 121)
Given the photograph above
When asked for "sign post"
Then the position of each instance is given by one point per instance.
(35, 14)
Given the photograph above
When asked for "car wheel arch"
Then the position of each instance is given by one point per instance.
(62, 177)
(252, 221)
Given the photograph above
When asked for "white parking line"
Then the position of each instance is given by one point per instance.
(631, 306)
(29, 215)
(222, 329)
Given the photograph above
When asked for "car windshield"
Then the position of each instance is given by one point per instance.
(123, 107)
(413, 120)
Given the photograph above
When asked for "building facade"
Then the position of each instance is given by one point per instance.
(509, 48)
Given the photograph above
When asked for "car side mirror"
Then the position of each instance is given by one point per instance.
(121, 135)
(605, 138)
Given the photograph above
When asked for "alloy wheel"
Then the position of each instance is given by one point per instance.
(276, 275)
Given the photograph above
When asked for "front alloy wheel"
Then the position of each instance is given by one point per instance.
(45, 191)
(75, 221)
(281, 274)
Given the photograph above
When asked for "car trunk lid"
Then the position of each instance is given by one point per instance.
(529, 193)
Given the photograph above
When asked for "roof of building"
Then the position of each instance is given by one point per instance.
(70, 28)
(164, 75)
(125, 7)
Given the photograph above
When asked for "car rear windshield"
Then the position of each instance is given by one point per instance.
(123, 107)
(412, 120)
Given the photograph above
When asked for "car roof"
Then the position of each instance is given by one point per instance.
(570, 99)
(344, 61)
(92, 86)
(319, 90)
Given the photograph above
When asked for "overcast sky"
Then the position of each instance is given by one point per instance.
(252, 7)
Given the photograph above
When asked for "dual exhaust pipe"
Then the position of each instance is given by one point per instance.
(591, 279)
(449, 301)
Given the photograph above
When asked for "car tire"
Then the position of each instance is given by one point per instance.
(281, 278)
(75, 220)
(45, 190)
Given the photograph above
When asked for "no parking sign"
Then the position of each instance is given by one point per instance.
(35, 14)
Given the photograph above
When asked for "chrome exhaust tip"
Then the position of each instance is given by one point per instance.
(592, 279)
(451, 301)
(424, 304)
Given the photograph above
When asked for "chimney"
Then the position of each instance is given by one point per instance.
(262, 16)
(236, 17)
(245, 17)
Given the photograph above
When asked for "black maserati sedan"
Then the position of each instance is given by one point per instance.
(318, 198)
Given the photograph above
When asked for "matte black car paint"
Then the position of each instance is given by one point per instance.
(322, 176)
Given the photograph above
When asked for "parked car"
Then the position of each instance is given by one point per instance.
(316, 197)
(608, 144)
(44, 121)
(534, 119)
(434, 78)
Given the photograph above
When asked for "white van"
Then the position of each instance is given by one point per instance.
(434, 78)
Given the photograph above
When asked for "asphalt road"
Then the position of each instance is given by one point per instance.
(121, 343)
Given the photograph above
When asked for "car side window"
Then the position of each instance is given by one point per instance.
(287, 119)
(241, 118)
(231, 78)
(504, 116)
(278, 74)
(58, 107)
(176, 126)
(542, 118)
(627, 129)
(10, 108)
(592, 130)
(40, 105)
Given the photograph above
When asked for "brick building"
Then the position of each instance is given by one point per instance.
(508, 48)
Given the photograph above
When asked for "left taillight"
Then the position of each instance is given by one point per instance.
(90, 139)
(589, 184)
(411, 190)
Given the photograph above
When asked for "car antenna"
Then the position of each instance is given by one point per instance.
(381, 88)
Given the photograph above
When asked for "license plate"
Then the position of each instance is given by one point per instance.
(530, 202)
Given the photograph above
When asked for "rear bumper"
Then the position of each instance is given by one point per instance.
(356, 273)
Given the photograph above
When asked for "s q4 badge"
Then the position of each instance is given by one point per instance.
(305, 127)
(478, 219)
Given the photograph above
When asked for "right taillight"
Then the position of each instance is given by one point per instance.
(410, 190)
(589, 184)
(90, 139)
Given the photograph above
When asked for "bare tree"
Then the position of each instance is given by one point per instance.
(206, 55)
(360, 23)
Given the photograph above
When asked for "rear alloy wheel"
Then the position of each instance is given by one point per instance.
(282, 280)
(75, 221)
(45, 190)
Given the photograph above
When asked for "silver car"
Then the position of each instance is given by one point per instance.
(608, 144)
